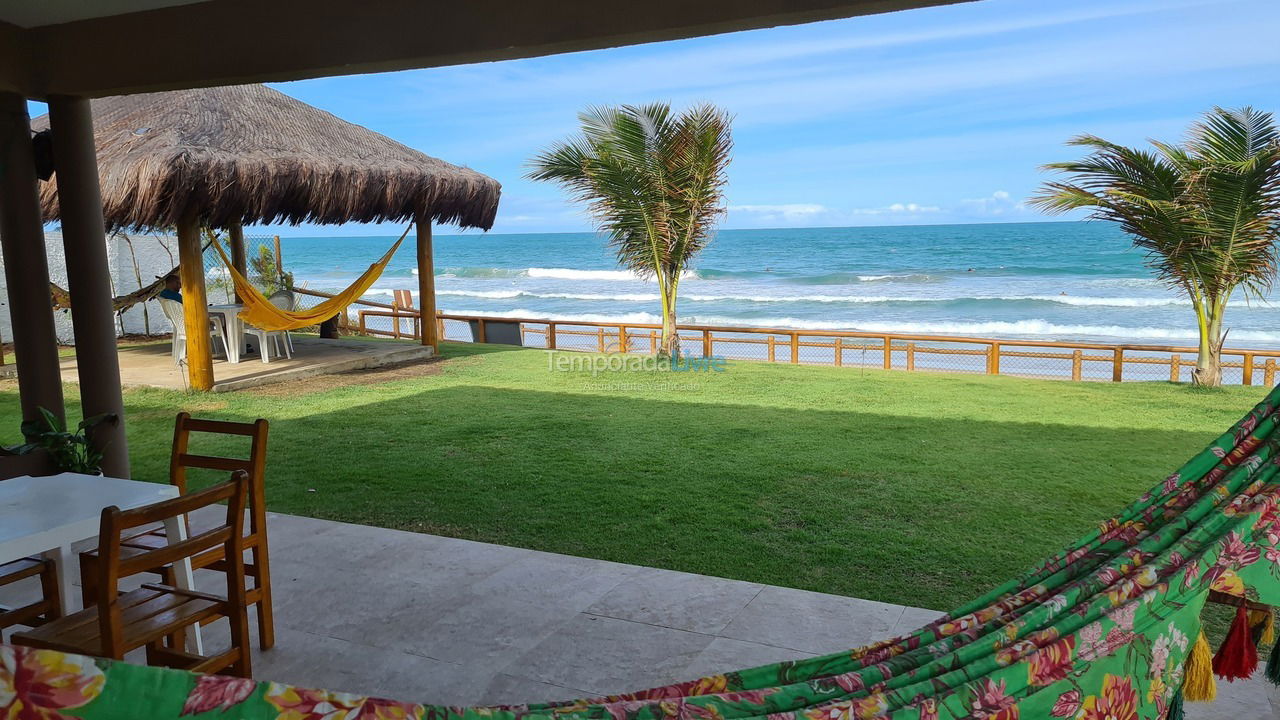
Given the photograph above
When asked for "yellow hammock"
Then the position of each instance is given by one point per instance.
(260, 313)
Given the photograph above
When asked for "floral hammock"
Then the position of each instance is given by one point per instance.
(1108, 629)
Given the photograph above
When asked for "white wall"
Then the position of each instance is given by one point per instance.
(154, 254)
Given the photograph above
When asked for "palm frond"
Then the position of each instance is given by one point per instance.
(1207, 212)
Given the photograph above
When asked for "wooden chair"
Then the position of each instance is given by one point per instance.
(35, 614)
(255, 541)
(120, 623)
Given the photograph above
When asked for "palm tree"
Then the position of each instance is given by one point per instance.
(653, 182)
(1207, 211)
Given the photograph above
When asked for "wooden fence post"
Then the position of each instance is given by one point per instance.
(623, 341)
(993, 359)
(480, 330)
(600, 335)
(795, 348)
(1175, 367)
(551, 336)
(772, 349)
(1077, 363)
(653, 342)
(1117, 365)
(911, 357)
(1269, 372)
(706, 343)
(888, 353)
(1246, 376)
(839, 356)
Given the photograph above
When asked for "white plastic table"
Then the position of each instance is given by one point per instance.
(45, 515)
(234, 328)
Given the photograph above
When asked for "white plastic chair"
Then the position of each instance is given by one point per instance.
(173, 311)
(285, 300)
(279, 339)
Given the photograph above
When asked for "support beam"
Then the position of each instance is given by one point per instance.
(235, 238)
(195, 305)
(89, 278)
(35, 343)
(427, 283)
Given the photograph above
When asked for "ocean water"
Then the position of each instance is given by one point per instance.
(1036, 281)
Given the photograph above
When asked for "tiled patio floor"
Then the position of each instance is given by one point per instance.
(432, 619)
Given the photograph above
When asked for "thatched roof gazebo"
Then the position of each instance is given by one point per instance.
(251, 154)
(230, 156)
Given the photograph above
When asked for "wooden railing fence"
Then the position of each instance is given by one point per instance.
(890, 351)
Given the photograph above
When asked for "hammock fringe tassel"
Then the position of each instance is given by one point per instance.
(1263, 623)
(1199, 685)
(1273, 665)
(1238, 656)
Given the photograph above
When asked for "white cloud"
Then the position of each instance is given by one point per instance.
(898, 209)
(790, 211)
(816, 215)
(998, 204)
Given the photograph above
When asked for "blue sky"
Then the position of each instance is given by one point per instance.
(939, 115)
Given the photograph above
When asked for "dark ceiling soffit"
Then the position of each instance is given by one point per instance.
(240, 41)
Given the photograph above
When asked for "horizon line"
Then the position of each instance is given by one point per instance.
(474, 233)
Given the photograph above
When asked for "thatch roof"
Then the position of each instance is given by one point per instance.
(250, 154)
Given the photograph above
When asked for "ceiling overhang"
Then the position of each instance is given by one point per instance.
(149, 45)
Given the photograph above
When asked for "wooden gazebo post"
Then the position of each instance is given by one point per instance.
(26, 270)
(89, 278)
(426, 282)
(195, 304)
(235, 238)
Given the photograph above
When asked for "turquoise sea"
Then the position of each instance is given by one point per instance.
(1036, 281)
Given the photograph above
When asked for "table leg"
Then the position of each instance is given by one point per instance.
(238, 330)
(63, 561)
(235, 336)
(175, 529)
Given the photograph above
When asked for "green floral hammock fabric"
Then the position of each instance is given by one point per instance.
(1101, 631)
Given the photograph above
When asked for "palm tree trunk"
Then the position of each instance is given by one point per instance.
(1208, 370)
(670, 345)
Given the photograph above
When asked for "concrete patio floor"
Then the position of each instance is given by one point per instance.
(445, 621)
(151, 364)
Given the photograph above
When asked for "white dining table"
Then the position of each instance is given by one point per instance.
(47, 515)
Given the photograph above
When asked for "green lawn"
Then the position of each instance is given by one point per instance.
(909, 488)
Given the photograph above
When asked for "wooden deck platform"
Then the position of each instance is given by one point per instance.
(151, 365)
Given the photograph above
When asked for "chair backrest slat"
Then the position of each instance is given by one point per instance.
(209, 462)
(117, 522)
(219, 426)
(403, 299)
(173, 552)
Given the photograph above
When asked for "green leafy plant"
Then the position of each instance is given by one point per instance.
(264, 270)
(653, 181)
(70, 451)
(1207, 211)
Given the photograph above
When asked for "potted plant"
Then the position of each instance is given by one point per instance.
(68, 451)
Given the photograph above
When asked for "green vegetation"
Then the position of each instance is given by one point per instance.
(654, 182)
(911, 488)
(1207, 212)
